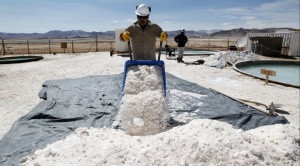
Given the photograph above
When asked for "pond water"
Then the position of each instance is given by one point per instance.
(285, 73)
(19, 59)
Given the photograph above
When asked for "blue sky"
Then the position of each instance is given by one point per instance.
(41, 16)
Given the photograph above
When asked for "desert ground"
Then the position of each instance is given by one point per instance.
(199, 142)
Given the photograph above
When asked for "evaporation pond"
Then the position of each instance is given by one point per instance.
(285, 73)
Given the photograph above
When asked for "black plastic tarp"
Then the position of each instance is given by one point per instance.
(94, 102)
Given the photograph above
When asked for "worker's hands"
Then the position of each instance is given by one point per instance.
(125, 36)
(163, 36)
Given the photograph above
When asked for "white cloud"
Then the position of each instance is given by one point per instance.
(166, 22)
(279, 5)
(237, 10)
(255, 23)
(124, 21)
(226, 23)
(231, 17)
(280, 13)
(130, 20)
(248, 18)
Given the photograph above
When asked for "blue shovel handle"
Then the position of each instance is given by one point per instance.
(130, 52)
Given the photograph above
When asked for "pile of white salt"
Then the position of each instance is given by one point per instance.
(200, 142)
(144, 108)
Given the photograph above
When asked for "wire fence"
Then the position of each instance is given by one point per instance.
(206, 44)
(83, 45)
(53, 46)
(264, 50)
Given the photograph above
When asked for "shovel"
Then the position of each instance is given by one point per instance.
(131, 62)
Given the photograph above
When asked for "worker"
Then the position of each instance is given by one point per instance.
(181, 40)
(143, 35)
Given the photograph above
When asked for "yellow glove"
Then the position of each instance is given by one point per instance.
(163, 36)
(125, 36)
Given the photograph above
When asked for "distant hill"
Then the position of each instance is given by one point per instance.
(239, 32)
(57, 35)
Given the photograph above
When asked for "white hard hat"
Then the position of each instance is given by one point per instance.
(182, 30)
(143, 10)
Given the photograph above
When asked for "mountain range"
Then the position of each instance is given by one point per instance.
(57, 34)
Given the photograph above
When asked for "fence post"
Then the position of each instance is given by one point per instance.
(28, 47)
(228, 43)
(254, 47)
(72, 47)
(3, 47)
(49, 47)
(96, 41)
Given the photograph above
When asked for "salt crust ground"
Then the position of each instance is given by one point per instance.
(201, 141)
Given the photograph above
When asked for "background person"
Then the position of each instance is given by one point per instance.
(181, 40)
(143, 35)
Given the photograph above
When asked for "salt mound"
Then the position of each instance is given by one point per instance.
(143, 78)
(200, 142)
(144, 108)
(221, 59)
